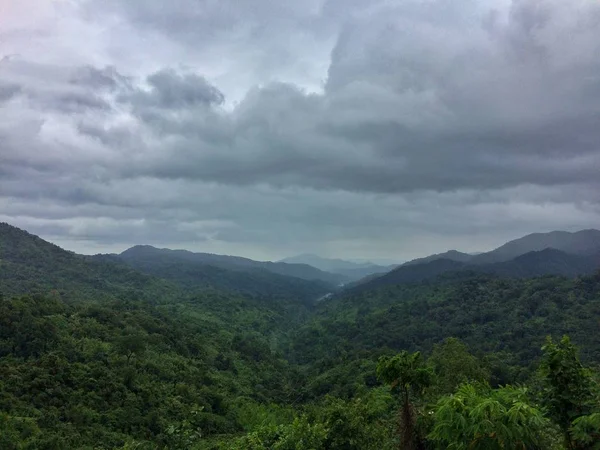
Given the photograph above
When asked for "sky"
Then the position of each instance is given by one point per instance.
(379, 129)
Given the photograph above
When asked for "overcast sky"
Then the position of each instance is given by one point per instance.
(266, 128)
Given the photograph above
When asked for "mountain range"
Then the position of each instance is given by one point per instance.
(30, 263)
(554, 253)
(189, 350)
(350, 270)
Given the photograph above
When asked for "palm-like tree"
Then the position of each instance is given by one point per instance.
(407, 375)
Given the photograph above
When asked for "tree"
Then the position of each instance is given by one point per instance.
(408, 376)
(567, 385)
(480, 418)
(131, 344)
(454, 365)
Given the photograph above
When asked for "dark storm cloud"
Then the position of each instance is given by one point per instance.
(418, 98)
(172, 90)
(434, 120)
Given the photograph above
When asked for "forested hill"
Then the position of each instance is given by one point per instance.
(582, 243)
(29, 264)
(97, 355)
(491, 314)
(532, 264)
(145, 254)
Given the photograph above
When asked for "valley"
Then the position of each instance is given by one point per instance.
(162, 349)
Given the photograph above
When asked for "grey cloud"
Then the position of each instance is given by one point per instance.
(60, 89)
(280, 220)
(8, 91)
(413, 101)
(172, 90)
(438, 121)
(106, 78)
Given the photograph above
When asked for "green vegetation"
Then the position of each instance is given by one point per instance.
(95, 355)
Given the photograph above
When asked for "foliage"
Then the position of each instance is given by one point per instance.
(480, 418)
(586, 432)
(95, 355)
(505, 321)
(93, 374)
(407, 375)
(454, 365)
(567, 393)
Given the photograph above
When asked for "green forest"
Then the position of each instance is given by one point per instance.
(95, 354)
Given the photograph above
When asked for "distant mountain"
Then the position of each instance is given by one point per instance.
(302, 271)
(349, 269)
(531, 264)
(29, 264)
(191, 273)
(544, 262)
(411, 273)
(452, 255)
(585, 242)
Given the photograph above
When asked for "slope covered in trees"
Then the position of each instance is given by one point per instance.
(493, 315)
(532, 264)
(28, 264)
(94, 354)
(143, 254)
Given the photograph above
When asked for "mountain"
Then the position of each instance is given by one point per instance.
(97, 354)
(191, 273)
(170, 361)
(507, 316)
(585, 242)
(141, 253)
(411, 273)
(349, 269)
(29, 264)
(531, 264)
(544, 262)
(452, 255)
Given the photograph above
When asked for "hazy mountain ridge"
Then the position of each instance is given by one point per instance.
(302, 271)
(349, 269)
(30, 264)
(191, 273)
(584, 242)
(532, 264)
(452, 255)
(576, 254)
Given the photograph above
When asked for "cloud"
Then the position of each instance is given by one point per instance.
(414, 125)
(171, 90)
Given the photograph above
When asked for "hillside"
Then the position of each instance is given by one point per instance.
(352, 270)
(28, 264)
(531, 264)
(145, 253)
(583, 243)
(117, 354)
(189, 273)
(122, 359)
(544, 262)
(492, 315)
(452, 255)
